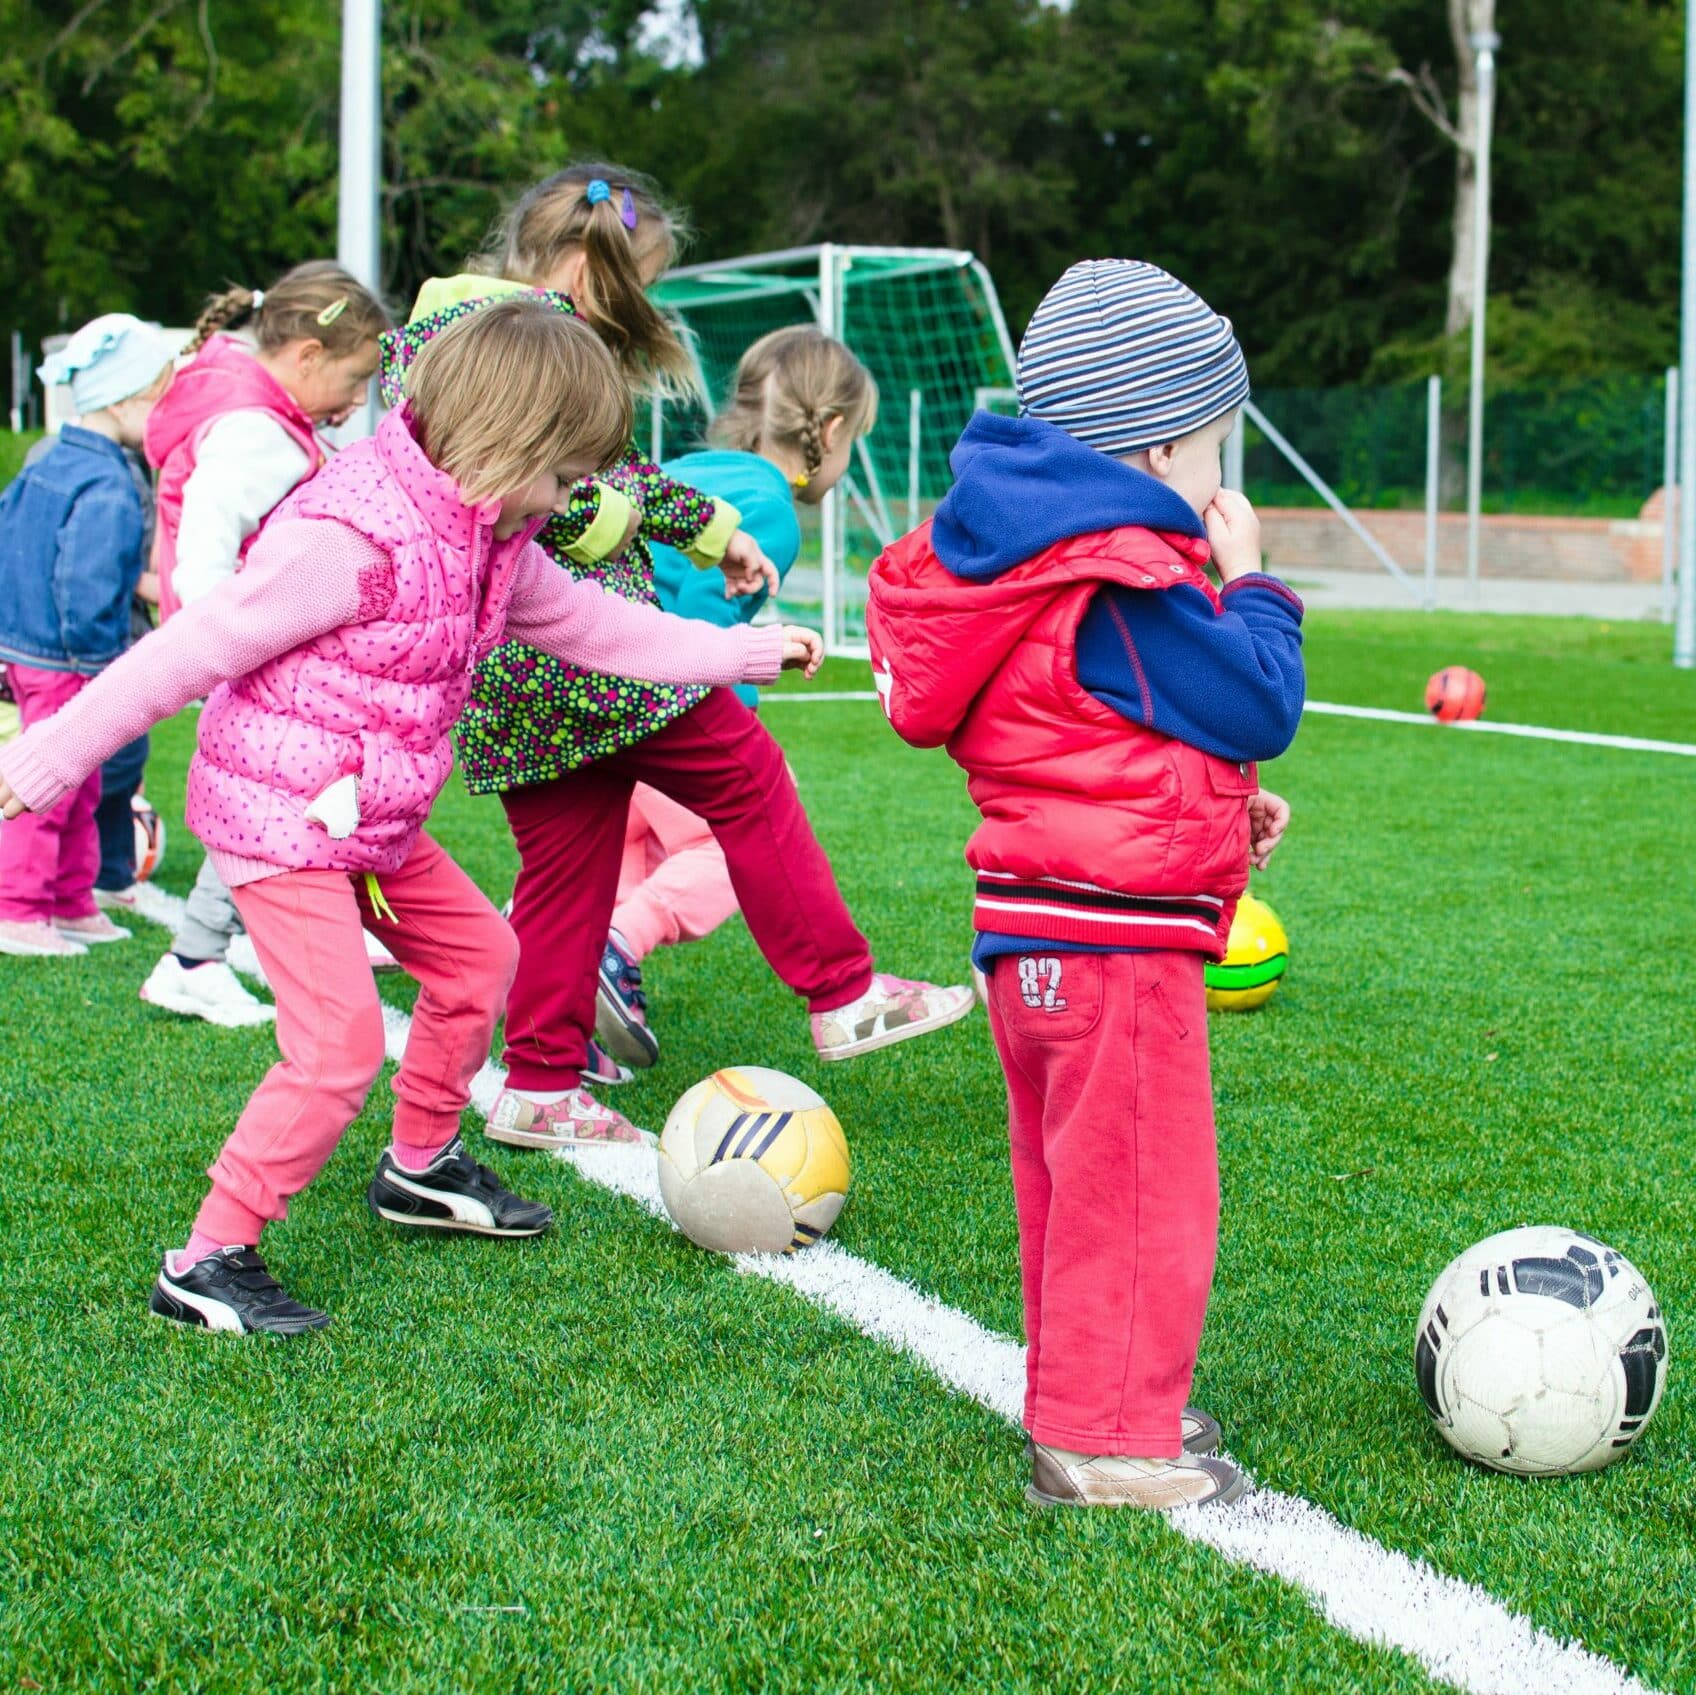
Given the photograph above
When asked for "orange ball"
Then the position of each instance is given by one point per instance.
(1455, 693)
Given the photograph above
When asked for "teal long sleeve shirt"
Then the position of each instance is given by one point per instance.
(761, 493)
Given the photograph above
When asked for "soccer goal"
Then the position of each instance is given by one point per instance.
(927, 324)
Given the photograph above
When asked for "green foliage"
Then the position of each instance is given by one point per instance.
(150, 150)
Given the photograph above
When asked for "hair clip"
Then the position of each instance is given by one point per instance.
(331, 312)
(258, 298)
(627, 213)
(597, 191)
(801, 481)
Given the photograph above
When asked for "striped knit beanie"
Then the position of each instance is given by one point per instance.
(1122, 356)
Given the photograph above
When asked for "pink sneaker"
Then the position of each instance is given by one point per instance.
(891, 1010)
(97, 927)
(34, 938)
(578, 1121)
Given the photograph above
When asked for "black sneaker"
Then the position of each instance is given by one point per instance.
(231, 1290)
(621, 1008)
(454, 1193)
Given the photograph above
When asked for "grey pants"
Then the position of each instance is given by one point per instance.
(209, 920)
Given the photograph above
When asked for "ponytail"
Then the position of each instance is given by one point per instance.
(789, 385)
(617, 220)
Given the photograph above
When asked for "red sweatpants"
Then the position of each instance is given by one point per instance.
(307, 928)
(1116, 1182)
(720, 761)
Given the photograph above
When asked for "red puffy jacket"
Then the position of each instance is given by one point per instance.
(1095, 830)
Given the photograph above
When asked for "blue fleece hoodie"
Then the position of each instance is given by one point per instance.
(1229, 681)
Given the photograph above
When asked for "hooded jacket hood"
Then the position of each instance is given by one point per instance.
(1022, 485)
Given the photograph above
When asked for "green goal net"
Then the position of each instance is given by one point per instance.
(927, 324)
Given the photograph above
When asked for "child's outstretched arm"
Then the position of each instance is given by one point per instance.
(302, 578)
(589, 626)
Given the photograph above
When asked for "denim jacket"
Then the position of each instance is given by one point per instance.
(72, 546)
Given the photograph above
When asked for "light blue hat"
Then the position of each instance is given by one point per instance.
(108, 360)
(1123, 356)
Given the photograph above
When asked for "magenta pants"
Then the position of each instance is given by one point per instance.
(719, 761)
(1116, 1182)
(49, 860)
(306, 928)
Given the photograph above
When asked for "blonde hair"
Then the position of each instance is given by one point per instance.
(317, 301)
(789, 385)
(514, 390)
(616, 233)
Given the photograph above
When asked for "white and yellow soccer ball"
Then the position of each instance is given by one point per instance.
(752, 1161)
(1541, 1351)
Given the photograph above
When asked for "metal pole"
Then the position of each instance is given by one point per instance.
(1669, 497)
(830, 513)
(1433, 478)
(1684, 635)
(20, 382)
(1233, 477)
(357, 219)
(656, 428)
(915, 407)
(1484, 45)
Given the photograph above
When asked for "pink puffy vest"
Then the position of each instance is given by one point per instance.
(221, 378)
(1094, 830)
(373, 699)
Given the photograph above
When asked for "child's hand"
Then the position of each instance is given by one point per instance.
(746, 568)
(632, 525)
(803, 650)
(1268, 814)
(11, 806)
(1233, 532)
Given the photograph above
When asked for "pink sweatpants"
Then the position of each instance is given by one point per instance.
(674, 885)
(306, 928)
(1116, 1182)
(49, 860)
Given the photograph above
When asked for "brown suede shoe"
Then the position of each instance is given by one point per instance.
(1060, 1478)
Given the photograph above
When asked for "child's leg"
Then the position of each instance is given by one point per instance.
(79, 855)
(570, 836)
(1115, 1048)
(30, 843)
(211, 916)
(687, 894)
(120, 777)
(306, 930)
(448, 935)
(1032, 1189)
(720, 761)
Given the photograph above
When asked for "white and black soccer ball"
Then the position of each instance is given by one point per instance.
(1541, 1351)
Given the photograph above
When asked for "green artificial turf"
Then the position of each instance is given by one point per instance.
(606, 1460)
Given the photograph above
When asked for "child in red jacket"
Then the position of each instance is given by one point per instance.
(1056, 629)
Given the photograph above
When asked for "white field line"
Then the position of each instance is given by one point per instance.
(1457, 1632)
(1379, 714)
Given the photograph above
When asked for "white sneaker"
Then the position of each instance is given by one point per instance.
(36, 940)
(379, 956)
(891, 1010)
(95, 928)
(211, 991)
(118, 900)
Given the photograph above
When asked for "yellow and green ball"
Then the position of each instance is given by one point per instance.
(1255, 960)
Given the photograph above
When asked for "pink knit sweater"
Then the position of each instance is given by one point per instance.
(305, 578)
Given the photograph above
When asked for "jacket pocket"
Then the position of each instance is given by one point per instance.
(1232, 776)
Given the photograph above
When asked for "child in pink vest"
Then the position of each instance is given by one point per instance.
(236, 433)
(335, 665)
(1055, 627)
